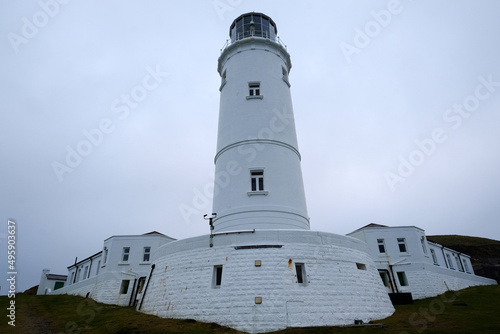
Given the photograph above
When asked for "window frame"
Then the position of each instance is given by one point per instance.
(254, 90)
(257, 184)
(450, 263)
(424, 246)
(125, 252)
(124, 286)
(434, 257)
(217, 276)
(402, 242)
(402, 279)
(148, 253)
(300, 273)
(381, 242)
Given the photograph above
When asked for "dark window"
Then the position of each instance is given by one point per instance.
(381, 245)
(217, 280)
(402, 278)
(124, 287)
(126, 252)
(257, 180)
(300, 271)
(361, 266)
(402, 245)
(385, 278)
(147, 253)
(58, 285)
(254, 89)
(140, 285)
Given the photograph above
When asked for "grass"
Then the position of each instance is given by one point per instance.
(472, 310)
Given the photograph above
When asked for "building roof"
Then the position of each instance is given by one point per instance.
(373, 225)
(154, 233)
(55, 277)
(86, 259)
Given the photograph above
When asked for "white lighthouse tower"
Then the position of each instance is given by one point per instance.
(257, 153)
(261, 268)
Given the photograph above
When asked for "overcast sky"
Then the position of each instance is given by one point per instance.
(109, 111)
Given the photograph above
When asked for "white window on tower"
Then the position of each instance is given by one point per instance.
(254, 91)
(257, 180)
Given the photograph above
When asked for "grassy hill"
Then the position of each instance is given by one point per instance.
(485, 253)
(472, 310)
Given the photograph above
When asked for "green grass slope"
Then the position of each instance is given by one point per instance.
(472, 310)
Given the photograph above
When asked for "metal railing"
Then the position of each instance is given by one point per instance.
(252, 34)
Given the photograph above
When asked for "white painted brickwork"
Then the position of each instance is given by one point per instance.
(335, 290)
(431, 280)
(104, 288)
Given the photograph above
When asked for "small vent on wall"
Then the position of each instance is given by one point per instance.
(361, 266)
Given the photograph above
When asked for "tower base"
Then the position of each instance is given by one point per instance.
(269, 280)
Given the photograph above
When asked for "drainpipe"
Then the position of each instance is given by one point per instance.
(394, 278)
(132, 292)
(90, 268)
(76, 270)
(147, 284)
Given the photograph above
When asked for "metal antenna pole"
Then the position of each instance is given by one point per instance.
(210, 222)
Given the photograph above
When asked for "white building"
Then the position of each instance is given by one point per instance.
(50, 282)
(262, 269)
(117, 273)
(408, 262)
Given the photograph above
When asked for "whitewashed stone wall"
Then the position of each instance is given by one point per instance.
(335, 290)
(104, 288)
(428, 281)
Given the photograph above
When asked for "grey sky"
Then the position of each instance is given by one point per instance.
(361, 102)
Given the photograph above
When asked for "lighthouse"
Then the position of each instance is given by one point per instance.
(262, 268)
(257, 153)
